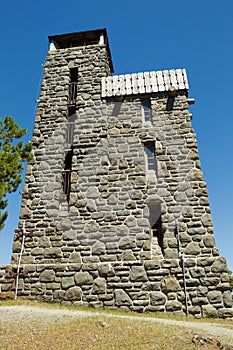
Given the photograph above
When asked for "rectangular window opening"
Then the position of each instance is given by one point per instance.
(71, 111)
(146, 111)
(70, 133)
(149, 148)
(157, 235)
(74, 75)
(73, 86)
(66, 174)
(71, 124)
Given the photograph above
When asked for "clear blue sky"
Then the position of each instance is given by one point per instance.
(143, 35)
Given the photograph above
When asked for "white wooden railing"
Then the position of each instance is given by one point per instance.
(142, 83)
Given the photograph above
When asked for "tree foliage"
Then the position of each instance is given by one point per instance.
(13, 154)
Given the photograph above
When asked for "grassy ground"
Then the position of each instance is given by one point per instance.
(98, 332)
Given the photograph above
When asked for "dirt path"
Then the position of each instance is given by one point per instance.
(11, 314)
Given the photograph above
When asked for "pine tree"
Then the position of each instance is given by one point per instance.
(13, 154)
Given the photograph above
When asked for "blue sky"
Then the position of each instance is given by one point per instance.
(149, 35)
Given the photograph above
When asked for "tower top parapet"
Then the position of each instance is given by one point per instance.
(77, 39)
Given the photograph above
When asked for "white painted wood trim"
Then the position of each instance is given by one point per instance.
(173, 79)
(147, 82)
(52, 46)
(166, 78)
(153, 81)
(128, 84)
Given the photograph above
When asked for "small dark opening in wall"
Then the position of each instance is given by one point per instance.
(71, 111)
(157, 232)
(77, 43)
(74, 75)
(70, 133)
(66, 174)
(156, 228)
(170, 103)
(71, 125)
(73, 86)
(149, 148)
(146, 108)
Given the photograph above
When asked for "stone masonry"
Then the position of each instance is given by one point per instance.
(114, 198)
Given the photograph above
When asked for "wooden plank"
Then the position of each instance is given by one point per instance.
(147, 82)
(122, 84)
(153, 81)
(109, 86)
(141, 83)
(185, 79)
(134, 77)
(115, 84)
(103, 87)
(166, 80)
(128, 84)
(180, 79)
(173, 79)
(160, 80)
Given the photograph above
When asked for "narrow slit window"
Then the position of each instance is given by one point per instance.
(74, 75)
(66, 174)
(149, 148)
(156, 229)
(71, 125)
(73, 86)
(70, 133)
(146, 111)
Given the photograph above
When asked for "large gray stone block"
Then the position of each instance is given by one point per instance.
(47, 276)
(138, 273)
(122, 298)
(157, 298)
(73, 294)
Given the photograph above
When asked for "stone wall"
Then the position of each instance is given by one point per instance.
(107, 218)
(151, 285)
(94, 245)
(2, 272)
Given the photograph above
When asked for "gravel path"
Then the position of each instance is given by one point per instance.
(11, 314)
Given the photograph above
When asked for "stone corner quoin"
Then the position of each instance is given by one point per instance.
(115, 209)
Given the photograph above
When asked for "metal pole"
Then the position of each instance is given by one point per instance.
(19, 261)
(181, 256)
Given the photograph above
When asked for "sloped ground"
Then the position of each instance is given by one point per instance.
(31, 327)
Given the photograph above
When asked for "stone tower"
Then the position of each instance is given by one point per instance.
(115, 210)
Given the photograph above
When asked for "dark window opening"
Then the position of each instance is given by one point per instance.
(71, 111)
(170, 103)
(66, 174)
(71, 124)
(149, 148)
(157, 232)
(73, 86)
(72, 93)
(146, 108)
(77, 43)
(156, 228)
(70, 133)
(74, 75)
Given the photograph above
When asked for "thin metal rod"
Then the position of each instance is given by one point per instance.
(19, 262)
(184, 281)
(181, 256)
